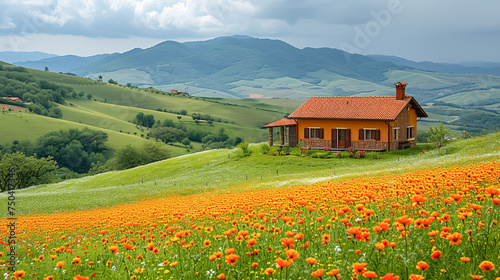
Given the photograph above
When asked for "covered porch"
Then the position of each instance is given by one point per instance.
(282, 133)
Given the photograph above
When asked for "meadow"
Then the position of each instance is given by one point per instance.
(428, 215)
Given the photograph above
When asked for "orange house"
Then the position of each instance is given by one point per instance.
(375, 123)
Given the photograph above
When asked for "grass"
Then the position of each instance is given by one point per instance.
(223, 170)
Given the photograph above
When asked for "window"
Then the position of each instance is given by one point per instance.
(395, 133)
(410, 132)
(369, 134)
(313, 133)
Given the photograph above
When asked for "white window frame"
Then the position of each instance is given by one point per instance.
(372, 133)
(410, 133)
(311, 129)
(395, 134)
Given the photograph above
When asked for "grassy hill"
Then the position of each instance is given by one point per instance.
(224, 170)
(113, 107)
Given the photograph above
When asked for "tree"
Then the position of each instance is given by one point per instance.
(30, 171)
(111, 81)
(99, 78)
(168, 134)
(179, 118)
(89, 96)
(46, 69)
(183, 112)
(437, 135)
(185, 142)
(55, 112)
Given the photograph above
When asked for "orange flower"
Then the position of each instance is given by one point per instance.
(269, 271)
(77, 261)
(254, 265)
(333, 272)
(370, 274)
(465, 259)
(416, 277)
(114, 249)
(206, 243)
(436, 255)
(476, 276)
(60, 264)
(292, 254)
(231, 259)
(404, 220)
(282, 263)
(221, 276)
(318, 273)
(455, 238)
(174, 264)
(251, 242)
(229, 251)
(380, 246)
(20, 274)
(326, 238)
(312, 261)
(78, 277)
(389, 276)
(359, 268)
(487, 266)
(422, 266)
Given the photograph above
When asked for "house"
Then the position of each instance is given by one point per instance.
(15, 99)
(375, 123)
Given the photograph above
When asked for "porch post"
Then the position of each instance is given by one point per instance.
(282, 135)
(270, 136)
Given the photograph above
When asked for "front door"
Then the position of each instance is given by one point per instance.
(341, 138)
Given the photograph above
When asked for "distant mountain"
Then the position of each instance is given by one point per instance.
(466, 68)
(11, 57)
(219, 63)
(63, 64)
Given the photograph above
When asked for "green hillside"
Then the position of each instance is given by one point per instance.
(113, 107)
(221, 170)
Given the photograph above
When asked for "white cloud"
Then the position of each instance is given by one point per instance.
(7, 23)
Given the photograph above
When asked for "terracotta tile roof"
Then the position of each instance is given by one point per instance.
(355, 108)
(282, 122)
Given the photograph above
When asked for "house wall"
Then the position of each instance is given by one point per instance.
(405, 118)
(353, 125)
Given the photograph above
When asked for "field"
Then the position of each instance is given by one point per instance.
(419, 213)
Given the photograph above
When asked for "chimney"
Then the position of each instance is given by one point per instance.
(400, 90)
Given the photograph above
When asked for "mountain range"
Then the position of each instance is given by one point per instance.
(242, 66)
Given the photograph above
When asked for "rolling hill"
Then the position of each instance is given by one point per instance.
(112, 108)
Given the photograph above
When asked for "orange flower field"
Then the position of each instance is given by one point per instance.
(437, 223)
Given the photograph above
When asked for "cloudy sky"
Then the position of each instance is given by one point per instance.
(444, 30)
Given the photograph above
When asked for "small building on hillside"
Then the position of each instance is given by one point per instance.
(374, 123)
(15, 99)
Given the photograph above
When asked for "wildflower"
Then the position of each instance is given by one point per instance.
(78, 277)
(255, 265)
(312, 261)
(487, 266)
(282, 263)
(422, 265)
(269, 271)
(455, 238)
(229, 251)
(318, 273)
(174, 264)
(19, 274)
(221, 276)
(359, 268)
(370, 274)
(231, 259)
(404, 220)
(139, 270)
(476, 276)
(60, 264)
(389, 276)
(436, 255)
(416, 277)
(465, 259)
(292, 254)
(206, 243)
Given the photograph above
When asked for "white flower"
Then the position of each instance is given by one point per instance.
(113, 268)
